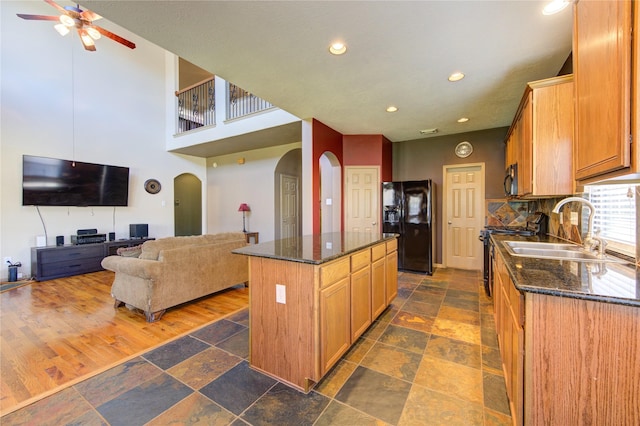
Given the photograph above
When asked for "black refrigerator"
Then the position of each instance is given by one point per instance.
(408, 210)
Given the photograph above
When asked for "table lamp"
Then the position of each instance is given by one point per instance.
(244, 208)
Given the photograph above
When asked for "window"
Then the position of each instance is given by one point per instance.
(615, 215)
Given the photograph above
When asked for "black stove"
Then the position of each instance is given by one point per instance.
(536, 224)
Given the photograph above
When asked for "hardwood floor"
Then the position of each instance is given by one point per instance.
(56, 333)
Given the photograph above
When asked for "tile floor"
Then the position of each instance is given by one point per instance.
(431, 358)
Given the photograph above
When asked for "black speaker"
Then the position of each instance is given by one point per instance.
(87, 231)
(138, 230)
(60, 240)
(112, 236)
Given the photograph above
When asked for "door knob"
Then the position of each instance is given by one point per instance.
(449, 222)
(373, 223)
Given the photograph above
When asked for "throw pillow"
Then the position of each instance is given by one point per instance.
(129, 251)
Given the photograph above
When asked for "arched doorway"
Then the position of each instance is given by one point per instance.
(330, 193)
(187, 206)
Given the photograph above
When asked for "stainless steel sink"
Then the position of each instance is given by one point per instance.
(556, 251)
(544, 246)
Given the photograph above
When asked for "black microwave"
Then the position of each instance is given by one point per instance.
(511, 181)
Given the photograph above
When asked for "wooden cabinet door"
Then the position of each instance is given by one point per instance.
(391, 272)
(602, 68)
(552, 136)
(335, 335)
(360, 302)
(509, 327)
(378, 288)
(525, 130)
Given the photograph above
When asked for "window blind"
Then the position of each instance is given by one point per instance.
(615, 215)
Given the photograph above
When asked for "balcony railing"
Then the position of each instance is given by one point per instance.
(241, 103)
(197, 106)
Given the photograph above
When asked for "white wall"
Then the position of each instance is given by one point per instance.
(108, 106)
(229, 184)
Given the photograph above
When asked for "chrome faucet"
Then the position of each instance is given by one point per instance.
(590, 243)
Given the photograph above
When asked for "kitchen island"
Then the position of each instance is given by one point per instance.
(311, 297)
(569, 335)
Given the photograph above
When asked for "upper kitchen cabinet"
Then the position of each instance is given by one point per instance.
(543, 134)
(603, 69)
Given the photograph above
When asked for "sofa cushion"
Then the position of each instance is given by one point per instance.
(151, 249)
(129, 251)
(224, 237)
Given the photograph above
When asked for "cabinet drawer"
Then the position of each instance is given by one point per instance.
(64, 269)
(378, 252)
(71, 253)
(334, 271)
(392, 245)
(360, 260)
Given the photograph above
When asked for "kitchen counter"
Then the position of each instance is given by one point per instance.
(602, 282)
(568, 336)
(312, 297)
(315, 249)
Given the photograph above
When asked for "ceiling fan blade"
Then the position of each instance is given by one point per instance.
(115, 37)
(90, 16)
(57, 6)
(38, 17)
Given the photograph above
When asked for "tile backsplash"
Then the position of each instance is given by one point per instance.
(503, 212)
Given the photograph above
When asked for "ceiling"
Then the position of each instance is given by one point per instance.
(399, 53)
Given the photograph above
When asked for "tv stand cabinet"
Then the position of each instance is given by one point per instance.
(52, 262)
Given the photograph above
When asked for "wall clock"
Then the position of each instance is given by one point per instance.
(152, 186)
(464, 149)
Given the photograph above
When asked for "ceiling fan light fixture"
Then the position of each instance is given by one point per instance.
(63, 30)
(95, 34)
(67, 21)
(86, 39)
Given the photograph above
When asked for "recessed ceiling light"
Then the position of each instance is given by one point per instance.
(456, 76)
(555, 6)
(338, 48)
(392, 108)
(463, 120)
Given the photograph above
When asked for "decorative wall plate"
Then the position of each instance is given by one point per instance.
(152, 186)
(464, 149)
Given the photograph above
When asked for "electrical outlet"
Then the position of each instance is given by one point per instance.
(574, 218)
(7, 259)
(281, 294)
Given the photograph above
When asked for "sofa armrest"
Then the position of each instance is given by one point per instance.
(142, 268)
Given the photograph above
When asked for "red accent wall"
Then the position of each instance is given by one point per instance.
(351, 150)
(324, 139)
(369, 150)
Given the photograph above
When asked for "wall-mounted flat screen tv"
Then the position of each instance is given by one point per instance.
(54, 182)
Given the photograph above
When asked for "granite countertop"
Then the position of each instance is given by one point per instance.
(603, 282)
(315, 249)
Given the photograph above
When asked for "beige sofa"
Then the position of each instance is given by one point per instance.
(175, 270)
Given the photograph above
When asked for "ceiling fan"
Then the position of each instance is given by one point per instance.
(82, 20)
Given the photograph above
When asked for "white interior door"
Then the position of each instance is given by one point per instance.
(362, 188)
(463, 214)
(288, 206)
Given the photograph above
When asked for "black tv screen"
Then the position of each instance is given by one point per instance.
(54, 182)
